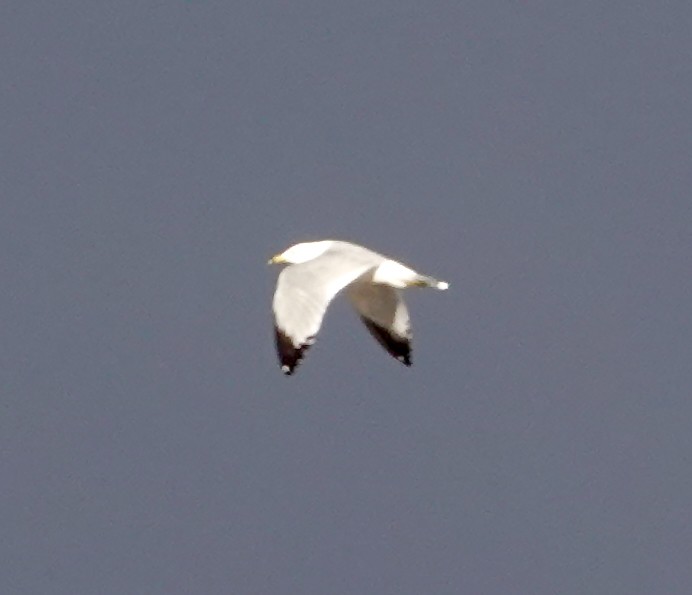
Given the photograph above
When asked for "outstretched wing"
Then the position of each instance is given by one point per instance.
(303, 292)
(385, 315)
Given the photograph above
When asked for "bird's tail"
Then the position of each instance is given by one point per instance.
(424, 281)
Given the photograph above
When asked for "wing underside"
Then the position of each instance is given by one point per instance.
(386, 317)
(302, 295)
(397, 347)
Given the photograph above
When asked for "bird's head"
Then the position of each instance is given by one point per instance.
(300, 253)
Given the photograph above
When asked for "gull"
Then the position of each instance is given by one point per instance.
(317, 272)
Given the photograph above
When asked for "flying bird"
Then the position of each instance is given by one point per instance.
(317, 271)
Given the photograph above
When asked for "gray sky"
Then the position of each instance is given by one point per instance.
(537, 155)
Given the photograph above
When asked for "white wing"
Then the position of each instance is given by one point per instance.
(303, 292)
(385, 315)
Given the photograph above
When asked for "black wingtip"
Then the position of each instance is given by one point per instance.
(289, 355)
(398, 347)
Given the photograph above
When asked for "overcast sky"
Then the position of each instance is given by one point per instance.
(537, 155)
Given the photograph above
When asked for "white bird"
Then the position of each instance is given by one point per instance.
(320, 270)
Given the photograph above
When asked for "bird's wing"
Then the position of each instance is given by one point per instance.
(385, 315)
(303, 292)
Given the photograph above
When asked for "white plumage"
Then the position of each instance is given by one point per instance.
(317, 271)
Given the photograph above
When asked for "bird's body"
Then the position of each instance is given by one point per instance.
(317, 271)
